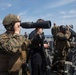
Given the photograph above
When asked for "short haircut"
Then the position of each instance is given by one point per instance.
(40, 20)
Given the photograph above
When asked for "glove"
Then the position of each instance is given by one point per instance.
(24, 68)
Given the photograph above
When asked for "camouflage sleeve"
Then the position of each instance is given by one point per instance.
(62, 36)
(68, 34)
(12, 44)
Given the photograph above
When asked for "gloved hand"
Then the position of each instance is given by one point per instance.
(25, 69)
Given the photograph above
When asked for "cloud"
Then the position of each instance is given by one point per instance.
(26, 17)
(0, 21)
(2, 29)
(22, 13)
(58, 3)
(63, 12)
(34, 18)
(69, 16)
(47, 16)
(9, 5)
(4, 5)
(68, 12)
(72, 12)
(54, 4)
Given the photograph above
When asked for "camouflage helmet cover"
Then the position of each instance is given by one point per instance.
(10, 18)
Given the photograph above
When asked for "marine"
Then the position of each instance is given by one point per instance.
(54, 31)
(13, 46)
(61, 50)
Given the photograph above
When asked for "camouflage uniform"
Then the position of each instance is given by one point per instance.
(62, 46)
(54, 31)
(12, 49)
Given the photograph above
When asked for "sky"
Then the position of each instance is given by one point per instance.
(61, 12)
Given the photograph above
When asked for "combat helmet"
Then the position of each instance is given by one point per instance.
(10, 18)
(62, 28)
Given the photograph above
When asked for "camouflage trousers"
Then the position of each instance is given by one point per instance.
(58, 63)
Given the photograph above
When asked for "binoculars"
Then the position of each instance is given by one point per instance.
(45, 24)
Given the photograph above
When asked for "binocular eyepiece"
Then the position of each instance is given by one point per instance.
(44, 24)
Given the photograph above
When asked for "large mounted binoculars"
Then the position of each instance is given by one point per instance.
(45, 24)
